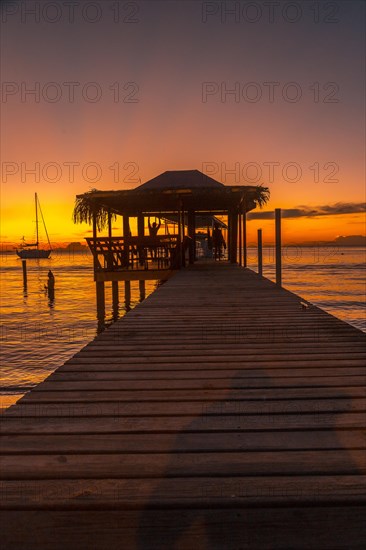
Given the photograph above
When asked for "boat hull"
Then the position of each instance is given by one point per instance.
(33, 254)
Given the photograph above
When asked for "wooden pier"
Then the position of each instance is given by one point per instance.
(218, 414)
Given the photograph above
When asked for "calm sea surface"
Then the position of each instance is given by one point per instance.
(37, 335)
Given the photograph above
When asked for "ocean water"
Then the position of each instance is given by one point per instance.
(38, 335)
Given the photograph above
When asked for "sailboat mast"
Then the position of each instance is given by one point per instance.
(36, 202)
(44, 225)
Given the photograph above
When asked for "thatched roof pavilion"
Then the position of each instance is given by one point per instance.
(183, 195)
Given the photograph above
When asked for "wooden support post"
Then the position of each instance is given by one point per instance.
(245, 249)
(229, 225)
(128, 295)
(179, 242)
(126, 235)
(140, 225)
(240, 240)
(126, 226)
(260, 253)
(24, 267)
(183, 229)
(181, 259)
(95, 232)
(234, 238)
(115, 299)
(192, 235)
(109, 224)
(110, 257)
(100, 301)
(278, 247)
(141, 233)
(142, 290)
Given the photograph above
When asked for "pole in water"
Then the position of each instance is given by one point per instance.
(260, 255)
(51, 285)
(24, 266)
(278, 247)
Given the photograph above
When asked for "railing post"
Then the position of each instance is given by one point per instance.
(240, 241)
(245, 252)
(278, 247)
(260, 253)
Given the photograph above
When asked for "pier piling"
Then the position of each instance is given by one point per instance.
(278, 247)
(24, 267)
(260, 253)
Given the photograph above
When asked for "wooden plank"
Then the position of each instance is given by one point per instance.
(321, 527)
(176, 408)
(193, 374)
(165, 465)
(286, 393)
(180, 424)
(178, 364)
(194, 384)
(333, 438)
(180, 493)
(101, 366)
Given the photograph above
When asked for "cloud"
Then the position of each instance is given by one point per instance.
(312, 212)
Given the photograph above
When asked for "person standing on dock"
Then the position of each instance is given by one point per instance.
(218, 241)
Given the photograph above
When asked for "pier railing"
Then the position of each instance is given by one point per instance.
(135, 253)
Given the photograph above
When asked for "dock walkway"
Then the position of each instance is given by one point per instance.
(218, 414)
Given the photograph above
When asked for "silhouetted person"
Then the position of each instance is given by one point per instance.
(218, 241)
(153, 230)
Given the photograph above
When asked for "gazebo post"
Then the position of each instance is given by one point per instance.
(126, 259)
(110, 266)
(245, 252)
(179, 243)
(192, 235)
(234, 237)
(229, 236)
(240, 239)
(140, 234)
(260, 253)
(278, 247)
(99, 285)
(95, 234)
(182, 231)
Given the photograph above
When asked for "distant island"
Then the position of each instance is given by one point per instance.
(351, 240)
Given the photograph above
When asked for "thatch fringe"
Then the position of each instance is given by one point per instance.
(85, 209)
(261, 196)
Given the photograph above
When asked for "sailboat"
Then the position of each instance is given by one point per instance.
(32, 251)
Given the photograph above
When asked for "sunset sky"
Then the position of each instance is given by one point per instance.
(140, 86)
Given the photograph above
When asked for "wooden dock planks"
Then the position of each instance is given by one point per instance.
(216, 414)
